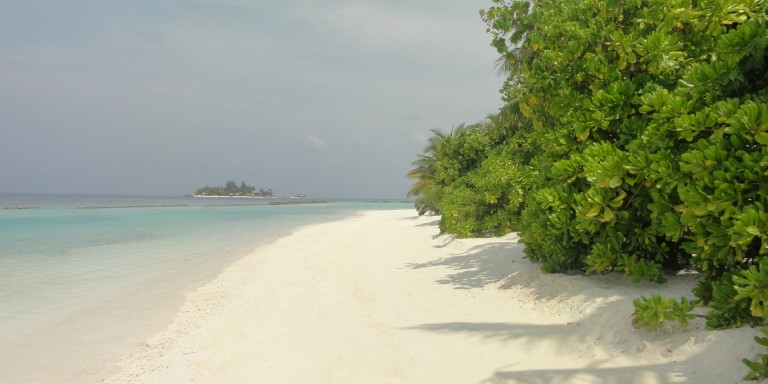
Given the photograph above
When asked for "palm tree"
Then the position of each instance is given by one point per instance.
(425, 164)
(425, 188)
(423, 173)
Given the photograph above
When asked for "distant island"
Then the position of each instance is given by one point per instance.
(232, 190)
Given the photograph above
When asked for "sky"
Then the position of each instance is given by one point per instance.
(328, 98)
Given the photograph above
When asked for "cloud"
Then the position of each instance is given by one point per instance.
(315, 141)
(363, 79)
(395, 28)
(381, 27)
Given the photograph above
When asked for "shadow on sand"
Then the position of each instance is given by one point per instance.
(479, 266)
(604, 329)
(589, 339)
(641, 374)
(433, 223)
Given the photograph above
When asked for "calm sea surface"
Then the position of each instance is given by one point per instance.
(85, 279)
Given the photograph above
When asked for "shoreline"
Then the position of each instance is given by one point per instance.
(84, 289)
(377, 297)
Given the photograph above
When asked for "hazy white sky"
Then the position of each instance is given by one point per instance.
(330, 98)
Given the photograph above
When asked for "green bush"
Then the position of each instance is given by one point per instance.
(725, 311)
(634, 139)
(654, 311)
(752, 285)
(487, 200)
(758, 369)
(653, 124)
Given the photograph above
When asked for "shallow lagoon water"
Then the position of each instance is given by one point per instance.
(83, 287)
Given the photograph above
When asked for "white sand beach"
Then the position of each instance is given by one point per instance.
(380, 298)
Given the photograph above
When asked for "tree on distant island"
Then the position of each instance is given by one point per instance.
(231, 189)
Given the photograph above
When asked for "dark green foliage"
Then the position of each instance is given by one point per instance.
(486, 195)
(477, 176)
(758, 369)
(487, 200)
(726, 311)
(751, 286)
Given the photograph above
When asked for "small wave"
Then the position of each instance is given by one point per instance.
(132, 206)
(23, 207)
(235, 205)
(270, 203)
(297, 202)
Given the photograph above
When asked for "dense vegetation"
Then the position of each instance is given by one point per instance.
(231, 189)
(634, 138)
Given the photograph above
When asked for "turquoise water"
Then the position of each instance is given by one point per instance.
(82, 286)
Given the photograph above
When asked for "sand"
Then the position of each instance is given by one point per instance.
(380, 298)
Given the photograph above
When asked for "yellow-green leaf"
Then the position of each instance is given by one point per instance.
(753, 230)
(607, 215)
(594, 211)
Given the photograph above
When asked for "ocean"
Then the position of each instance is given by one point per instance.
(84, 279)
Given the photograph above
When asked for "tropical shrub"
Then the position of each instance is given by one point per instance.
(488, 199)
(654, 311)
(634, 138)
(476, 177)
(758, 369)
(652, 119)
